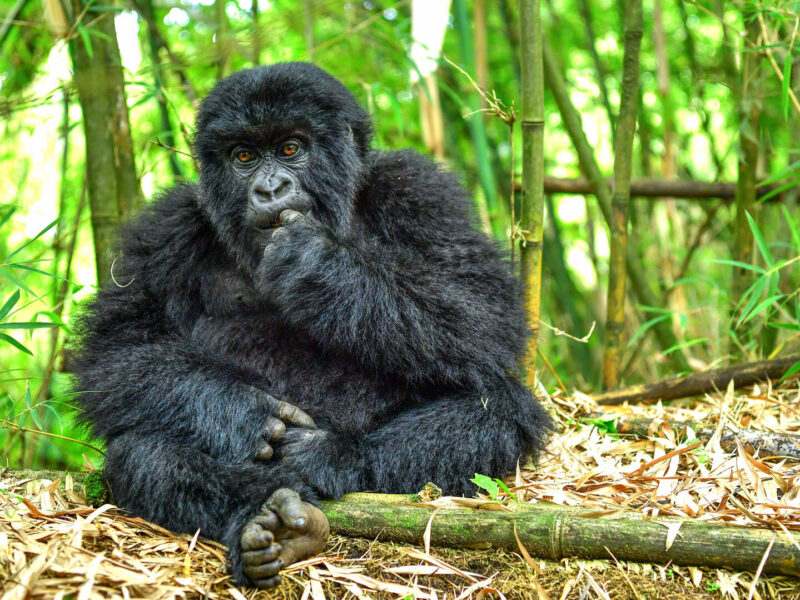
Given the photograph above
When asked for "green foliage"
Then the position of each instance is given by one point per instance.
(686, 246)
(492, 486)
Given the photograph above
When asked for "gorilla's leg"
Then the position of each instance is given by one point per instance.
(287, 530)
(445, 441)
(175, 485)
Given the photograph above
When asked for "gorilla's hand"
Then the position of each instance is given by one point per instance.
(282, 415)
(286, 531)
(300, 254)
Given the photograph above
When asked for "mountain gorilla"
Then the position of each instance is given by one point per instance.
(313, 318)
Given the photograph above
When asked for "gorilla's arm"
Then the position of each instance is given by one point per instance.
(139, 366)
(413, 290)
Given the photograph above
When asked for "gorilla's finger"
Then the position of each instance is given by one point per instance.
(255, 538)
(258, 557)
(277, 233)
(290, 216)
(262, 571)
(292, 415)
(267, 519)
(270, 582)
(288, 506)
(275, 428)
(264, 452)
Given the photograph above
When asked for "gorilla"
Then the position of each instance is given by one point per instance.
(313, 317)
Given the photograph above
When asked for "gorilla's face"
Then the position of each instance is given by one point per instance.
(287, 136)
(273, 174)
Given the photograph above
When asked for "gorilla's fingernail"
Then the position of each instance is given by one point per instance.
(288, 216)
(300, 521)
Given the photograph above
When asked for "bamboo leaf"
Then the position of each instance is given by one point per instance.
(27, 325)
(787, 78)
(30, 241)
(792, 227)
(685, 345)
(18, 282)
(9, 304)
(22, 267)
(763, 247)
(761, 306)
(15, 343)
(87, 40)
(795, 368)
(645, 326)
(741, 265)
(752, 295)
(7, 215)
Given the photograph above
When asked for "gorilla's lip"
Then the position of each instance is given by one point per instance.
(268, 222)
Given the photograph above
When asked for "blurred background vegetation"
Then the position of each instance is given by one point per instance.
(718, 90)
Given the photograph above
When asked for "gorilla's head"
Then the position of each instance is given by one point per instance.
(286, 136)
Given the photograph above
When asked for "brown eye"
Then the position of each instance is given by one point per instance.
(289, 149)
(243, 156)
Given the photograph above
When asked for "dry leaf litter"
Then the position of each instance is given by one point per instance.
(54, 546)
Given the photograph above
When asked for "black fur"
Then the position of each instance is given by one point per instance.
(383, 314)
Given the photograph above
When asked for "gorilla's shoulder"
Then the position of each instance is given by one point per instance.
(171, 221)
(405, 188)
(168, 239)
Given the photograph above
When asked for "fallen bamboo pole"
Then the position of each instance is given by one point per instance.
(553, 532)
(699, 383)
(556, 532)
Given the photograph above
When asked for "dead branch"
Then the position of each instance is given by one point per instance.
(699, 383)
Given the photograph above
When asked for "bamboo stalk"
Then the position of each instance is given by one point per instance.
(114, 191)
(623, 159)
(635, 270)
(766, 443)
(554, 533)
(658, 189)
(532, 174)
(497, 213)
(749, 112)
(699, 383)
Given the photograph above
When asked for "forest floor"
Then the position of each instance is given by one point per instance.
(52, 545)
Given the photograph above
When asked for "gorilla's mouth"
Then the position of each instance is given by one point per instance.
(268, 222)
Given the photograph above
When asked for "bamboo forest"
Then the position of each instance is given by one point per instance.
(313, 299)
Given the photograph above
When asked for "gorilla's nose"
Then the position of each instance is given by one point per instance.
(270, 190)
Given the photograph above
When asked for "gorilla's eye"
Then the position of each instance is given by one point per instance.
(243, 155)
(289, 149)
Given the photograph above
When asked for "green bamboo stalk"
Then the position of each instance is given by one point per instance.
(749, 114)
(556, 532)
(623, 159)
(477, 128)
(635, 271)
(114, 191)
(532, 173)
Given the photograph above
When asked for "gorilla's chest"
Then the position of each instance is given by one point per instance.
(334, 389)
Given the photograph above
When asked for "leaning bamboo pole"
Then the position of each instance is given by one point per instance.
(699, 383)
(623, 159)
(532, 174)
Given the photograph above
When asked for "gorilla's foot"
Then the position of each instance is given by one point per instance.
(286, 531)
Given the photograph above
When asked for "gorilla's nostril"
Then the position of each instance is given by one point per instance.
(283, 187)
